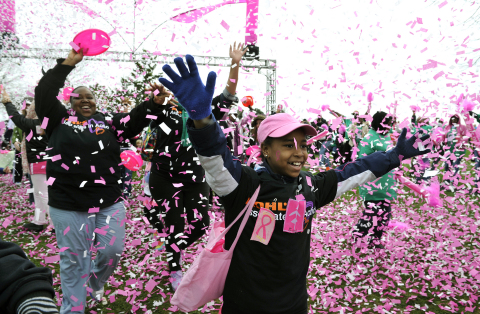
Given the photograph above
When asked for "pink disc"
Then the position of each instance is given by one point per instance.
(93, 41)
(131, 160)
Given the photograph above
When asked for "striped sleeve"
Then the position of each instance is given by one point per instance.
(365, 169)
(222, 170)
(37, 305)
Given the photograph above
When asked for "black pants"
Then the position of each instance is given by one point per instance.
(18, 174)
(374, 210)
(152, 215)
(174, 203)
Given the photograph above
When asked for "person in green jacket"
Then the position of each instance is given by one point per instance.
(422, 127)
(377, 194)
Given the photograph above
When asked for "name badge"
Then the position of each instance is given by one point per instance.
(294, 216)
(264, 226)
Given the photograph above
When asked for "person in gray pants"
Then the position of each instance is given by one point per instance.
(84, 179)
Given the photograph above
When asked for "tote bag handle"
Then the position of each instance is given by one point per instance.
(246, 212)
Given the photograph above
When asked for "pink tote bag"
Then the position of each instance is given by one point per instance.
(205, 279)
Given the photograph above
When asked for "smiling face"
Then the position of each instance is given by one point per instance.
(85, 104)
(283, 156)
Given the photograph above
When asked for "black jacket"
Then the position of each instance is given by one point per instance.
(169, 155)
(37, 144)
(20, 278)
(85, 153)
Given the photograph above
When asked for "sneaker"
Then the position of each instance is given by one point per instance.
(176, 278)
(98, 296)
(34, 227)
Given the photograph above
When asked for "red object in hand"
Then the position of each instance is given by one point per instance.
(247, 101)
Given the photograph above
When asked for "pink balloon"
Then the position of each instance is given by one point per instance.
(252, 149)
(370, 97)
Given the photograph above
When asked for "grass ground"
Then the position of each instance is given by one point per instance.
(433, 267)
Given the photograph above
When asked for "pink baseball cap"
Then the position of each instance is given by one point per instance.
(281, 124)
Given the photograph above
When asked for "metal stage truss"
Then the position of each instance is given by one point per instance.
(266, 67)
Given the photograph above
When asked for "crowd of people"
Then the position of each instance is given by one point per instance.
(198, 145)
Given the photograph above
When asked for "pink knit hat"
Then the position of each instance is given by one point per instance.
(281, 124)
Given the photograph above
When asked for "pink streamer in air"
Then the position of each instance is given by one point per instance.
(193, 15)
(83, 8)
(252, 22)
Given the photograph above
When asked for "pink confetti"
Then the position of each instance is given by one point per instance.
(439, 74)
(225, 25)
(29, 136)
(93, 210)
(151, 284)
(441, 5)
(78, 308)
(44, 123)
(74, 46)
(66, 230)
(6, 223)
(175, 247)
(149, 116)
(52, 259)
(50, 181)
(112, 240)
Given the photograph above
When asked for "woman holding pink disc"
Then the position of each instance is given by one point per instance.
(83, 175)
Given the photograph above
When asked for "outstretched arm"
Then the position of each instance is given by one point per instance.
(236, 54)
(373, 166)
(222, 102)
(46, 103)
(20, 121)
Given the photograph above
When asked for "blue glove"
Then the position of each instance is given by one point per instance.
(405, 147)
(195, 97)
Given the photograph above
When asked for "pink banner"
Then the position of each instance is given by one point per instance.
(252, 22)
(7, 12)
